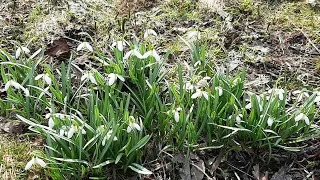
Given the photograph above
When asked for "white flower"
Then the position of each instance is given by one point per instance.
(189, 86)
(107, 137)
(239, 118)
(33, 161)
(278, 92)
(301, 95)
(270, 121)
(16, 86)
(134, 52)
(194, 34)
(86, 45)
(219, 89)
(71, 131)
(22, 49)
(89, 76)
(113, 77)
(248, 106)
(236, 81)
(119, 45)
(152, 53)
(45, 77)
(302, 116)
(313, 3)
(199, 93)
(176, 113)
(149, 32)
(197, 64)
(203, 82)
(51, 123)
(133, 125)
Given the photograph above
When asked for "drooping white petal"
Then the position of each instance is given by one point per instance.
(299, 117)
(220, 91)
(40, 162)
(270, 121)
(104, 140)
(156, 55)
(147, 54)
(138, 54)
(71, 132)
(280, 96)
(80, 47)
(61, 132)
(128, 54)
(112, 79)
(88, 46)
(149, 32)
(196, 94)
(83, 131)
(92, 79)
(18, 53)
(248, 106)
(120, 77)
(120, 45)
(38, 77)
(25, 50)
(129, 129)
(176, 116)
(84, 77)
(30, 163)
(51, 123)
(205, 95)
(137, 126)
(317, 99)
(47, 79)
(193, 34)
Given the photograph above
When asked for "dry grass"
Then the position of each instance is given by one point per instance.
(14, 153)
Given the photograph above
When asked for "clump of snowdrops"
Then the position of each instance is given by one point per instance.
(109, 117)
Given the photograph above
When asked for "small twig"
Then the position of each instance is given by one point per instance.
(240, 170)
(309, 40)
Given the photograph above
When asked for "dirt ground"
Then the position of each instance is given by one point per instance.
(276, 42)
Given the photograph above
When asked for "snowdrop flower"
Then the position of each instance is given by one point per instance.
(45, 77)
(119, 45)
(301, 95)
(133, 52)
(16, 86)
(270, 121)
(73, 129)
(203, 82)
(34, 161)
(107, 137)
(302, 116)
(89, 76)
(133, 125)
(63, 131)
(149, 32)
(189, 86)
(152, 53)
(176, 113)
(197, 64)
(219, 89)
(194, 34)
(236, 81)
(278, 92)
(249, 106)
(85, 45)
(313, 3)
(113, 77)
(199, 93)
(22, 49)
(50, 121)
(238, 118)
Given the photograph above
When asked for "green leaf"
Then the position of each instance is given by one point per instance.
(140, 144)
(103, 164)
(139, 169)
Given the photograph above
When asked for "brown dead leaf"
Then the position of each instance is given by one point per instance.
(197, 170)
(60, 47)
(13, 127)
